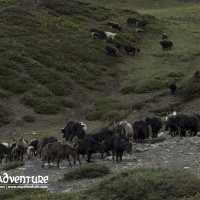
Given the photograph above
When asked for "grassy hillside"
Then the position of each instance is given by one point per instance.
(48, 58)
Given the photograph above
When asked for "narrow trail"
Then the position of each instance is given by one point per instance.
(173, 153)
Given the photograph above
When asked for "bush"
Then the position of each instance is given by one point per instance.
(137, 106)
(147, 184)
(28, 118)
(127, 89)
(87, 171)
(66, 103)
(191, 89)
(5, 117)
(12, 165)
(151, 85)
(108, 110)
(42, 100)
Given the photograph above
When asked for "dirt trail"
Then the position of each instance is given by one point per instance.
(173, 153)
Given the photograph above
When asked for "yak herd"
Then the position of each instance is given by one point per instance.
(112, 140)
(130, 49)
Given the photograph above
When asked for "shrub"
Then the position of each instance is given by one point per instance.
(12, 165)
(137, 106)
(5, 117)
(148, 184)
(42, 100)
(175, 74)
(127, 89)
(28, 118)
(87, 171)
(66, 103)
(151, 85)
(108, 109)
(191, 89)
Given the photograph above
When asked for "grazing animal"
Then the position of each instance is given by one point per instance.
(94, 34)
(74, 129)
(131, 50)
(155, 123)
(140, 131)
(173, 88)
(118, 45)
(139, 30)
(197, 74)
(166, 45)
(102, 135)
(142, 23)
(43, 141)
(23, 146)
(118, 144)
(115, 25)
(132, 21)
(183, 123)
(97, 33)
(34, 143)
(5, 151)
(164, 36)
(111, 50)
(16, 153)
(110, 35)
(128, 129)
(57, 151)
(31, 152)
(88, 146)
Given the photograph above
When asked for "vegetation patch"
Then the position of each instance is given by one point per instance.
(42, 100)
(151, 85)
(12, 165)
(148, 184)
(191, 89)
(108, 110)
(141, 183)
(87, 171)
(17, 194)
(5, 117)
(127, 89)
(28, 118)
(138, 106)
(66, 102)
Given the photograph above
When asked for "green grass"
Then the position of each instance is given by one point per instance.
(87, 171)
(108, 110)
(12, 165)
(148, 184)
(28, 118)
(191, 89)
(141, 183)
(5, 116)
(49, 48)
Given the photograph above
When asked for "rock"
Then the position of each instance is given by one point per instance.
(139, 150)
(134, 159)
(186, 167)
(67, 190)
(129, 164)
(108, 158)
(163, 134)
(198, 134)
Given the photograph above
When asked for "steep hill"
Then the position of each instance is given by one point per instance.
(52, 70)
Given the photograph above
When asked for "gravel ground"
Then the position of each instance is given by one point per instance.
(174, 153)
